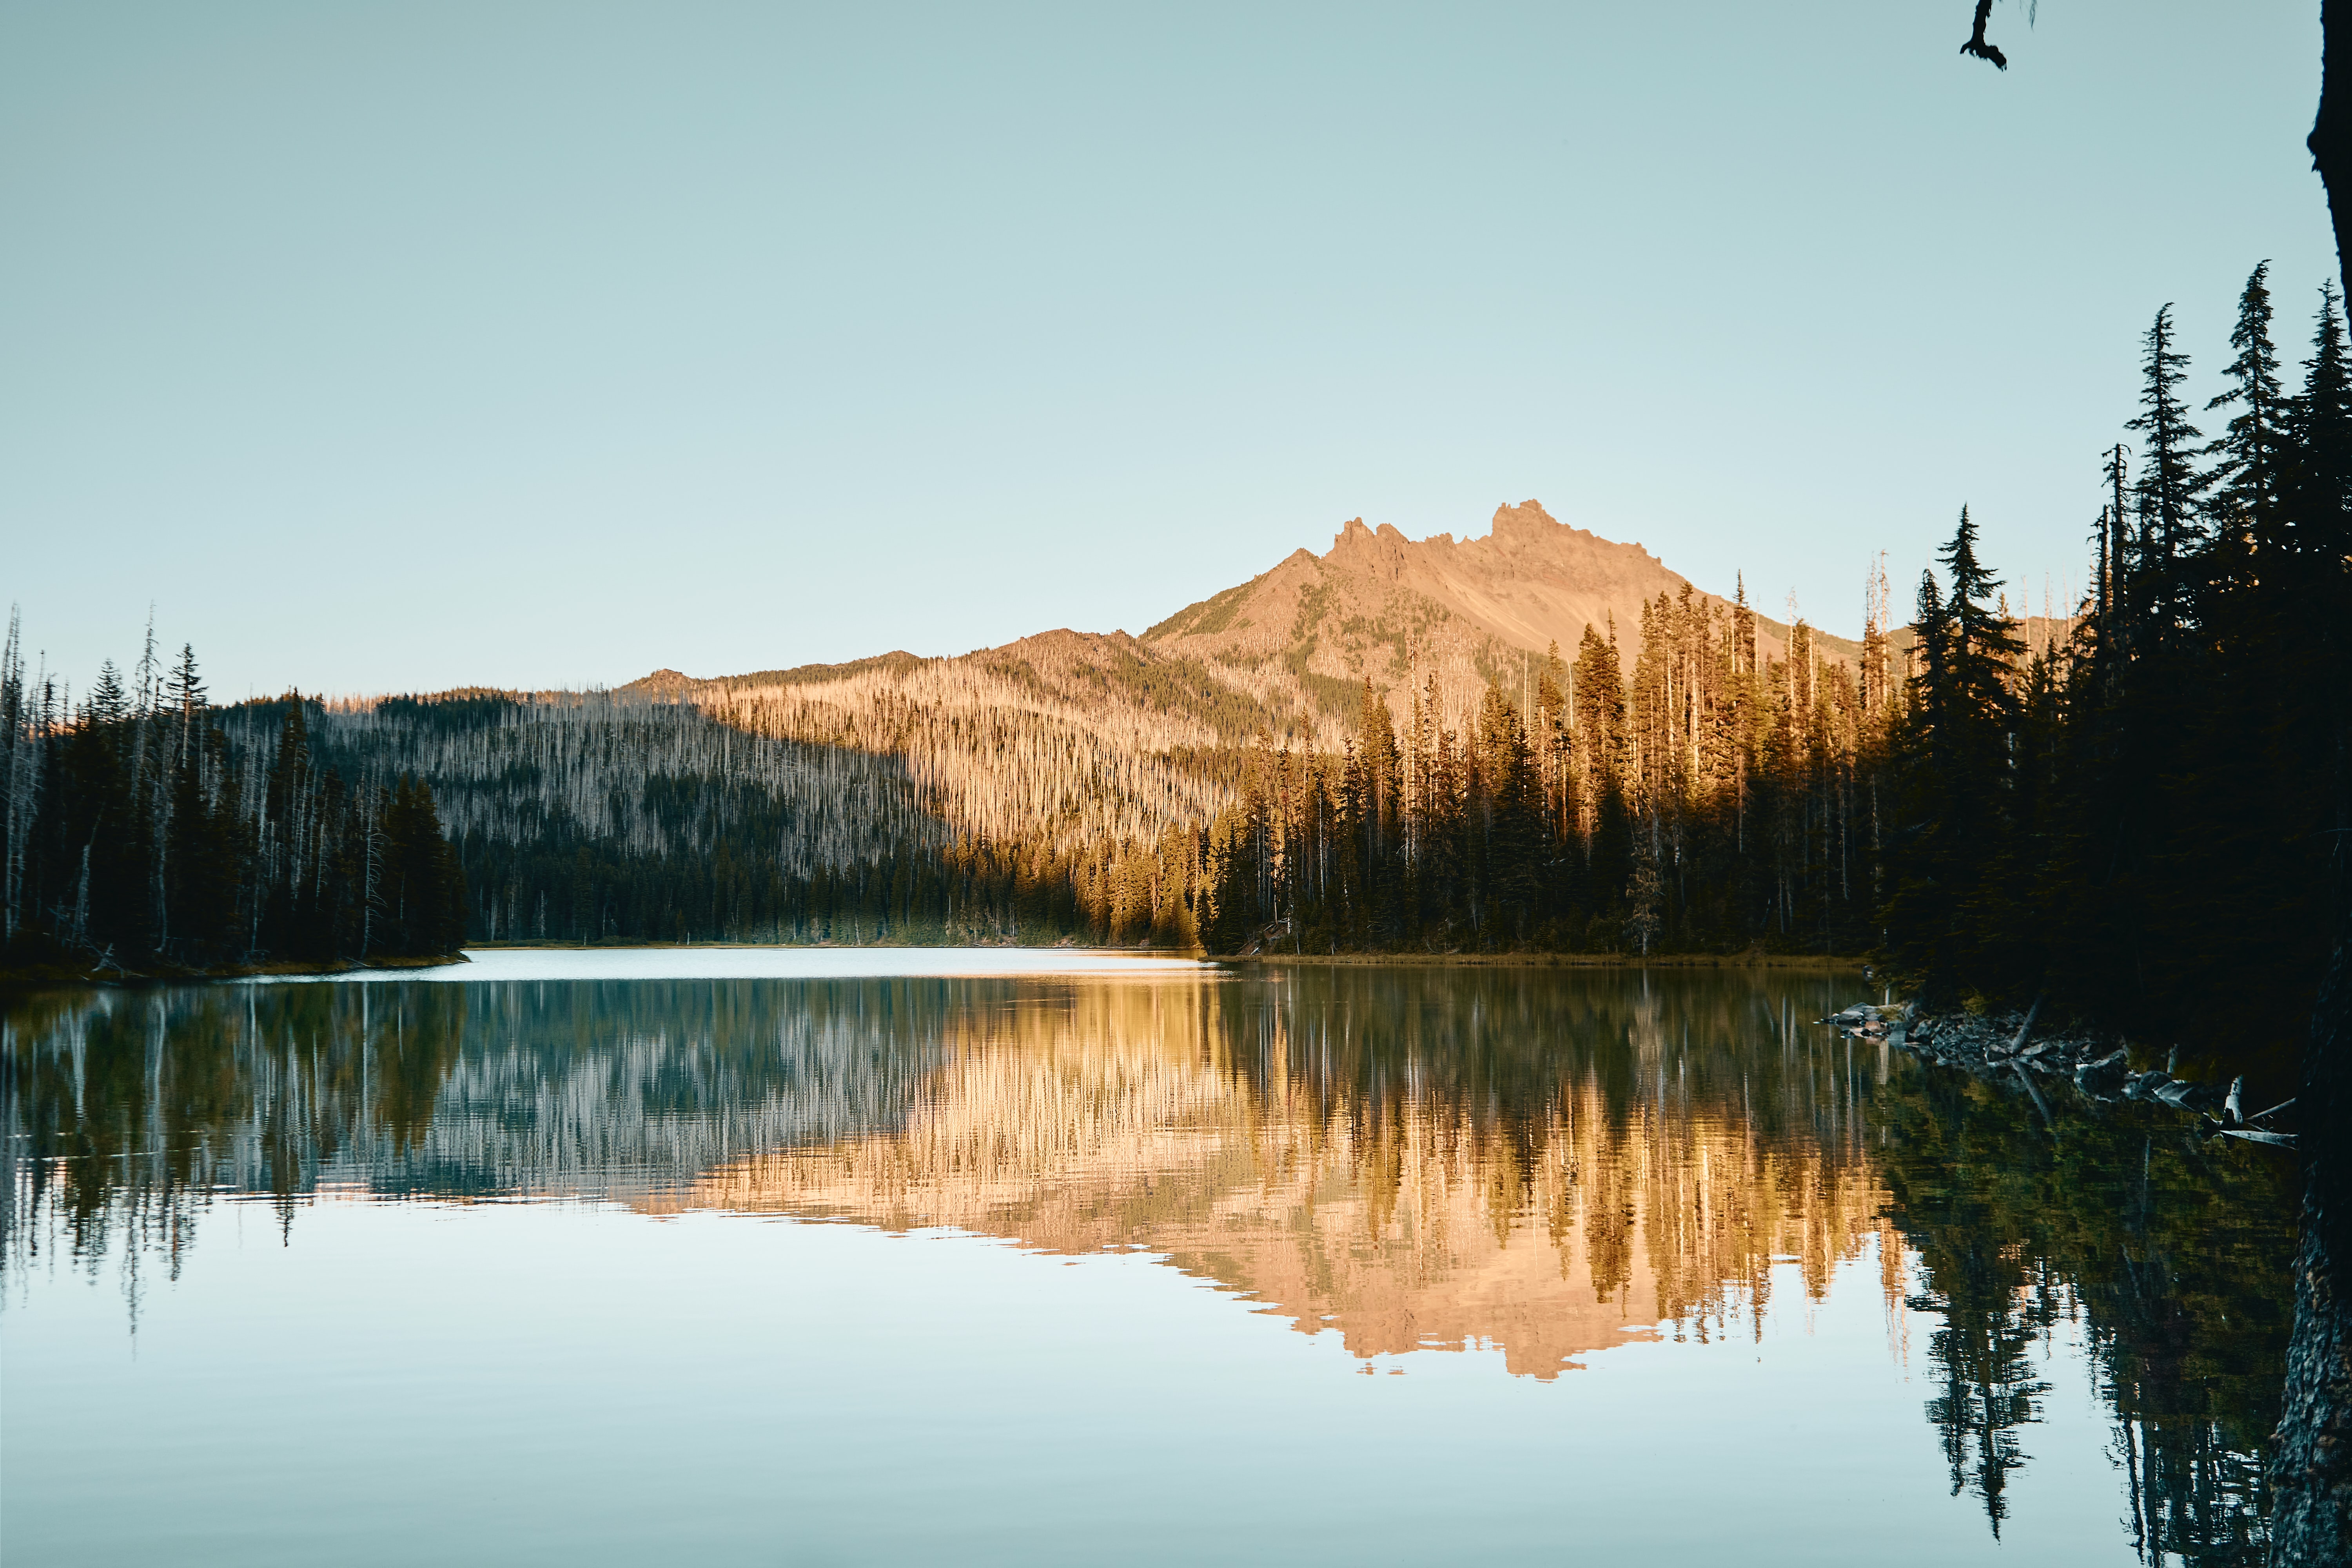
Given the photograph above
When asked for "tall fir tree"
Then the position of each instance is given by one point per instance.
(2170, 483)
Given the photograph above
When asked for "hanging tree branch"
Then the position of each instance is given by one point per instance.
(1977, 45)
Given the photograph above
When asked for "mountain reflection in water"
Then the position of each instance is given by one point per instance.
(1544, 1163)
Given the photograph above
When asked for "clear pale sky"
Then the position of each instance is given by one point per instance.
(405, 346)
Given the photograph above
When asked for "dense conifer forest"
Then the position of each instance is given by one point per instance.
(136, 836)
(2142, 822)
(1713, 800)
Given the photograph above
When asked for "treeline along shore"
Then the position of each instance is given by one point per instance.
(1714, 801)
(138, 839)
(2145, 829)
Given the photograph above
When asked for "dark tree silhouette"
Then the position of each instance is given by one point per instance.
(2313, 1466)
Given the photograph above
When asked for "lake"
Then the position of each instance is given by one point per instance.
(745, 1256)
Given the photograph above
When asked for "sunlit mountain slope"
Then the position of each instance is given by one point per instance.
(1082, 736)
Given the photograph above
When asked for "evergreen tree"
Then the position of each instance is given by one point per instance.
(2249, 478)
(1955, 772)
(2170, 484)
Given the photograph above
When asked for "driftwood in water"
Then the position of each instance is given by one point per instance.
(2178, 1093)
(2034, 1090)
(2026, 1028)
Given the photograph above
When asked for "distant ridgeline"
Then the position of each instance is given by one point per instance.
(141, 829)
(2144, 824)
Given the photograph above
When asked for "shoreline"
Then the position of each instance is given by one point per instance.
(1816, 962)
(1838, 962)
(43, 976)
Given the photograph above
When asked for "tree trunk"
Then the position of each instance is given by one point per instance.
(2311, 1468)
(2331, 131)
(2312, 1465)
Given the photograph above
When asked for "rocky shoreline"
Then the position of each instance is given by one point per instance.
(2003, 1046)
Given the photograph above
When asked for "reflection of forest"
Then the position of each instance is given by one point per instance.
(2172, 1249)
(1414, 1158)
(127, 1111)
(1545, 1163)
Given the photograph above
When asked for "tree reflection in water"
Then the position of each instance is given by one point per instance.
(1541, 1162)
(2171, 1249)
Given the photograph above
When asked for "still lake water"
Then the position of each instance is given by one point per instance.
(777, 1257)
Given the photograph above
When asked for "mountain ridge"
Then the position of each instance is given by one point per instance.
(1529, 583)
(1081, 734)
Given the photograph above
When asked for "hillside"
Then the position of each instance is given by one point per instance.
(1083, 736)
(1066, 783)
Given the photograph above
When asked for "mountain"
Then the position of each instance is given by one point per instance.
(1381, 605)
(1082, 736)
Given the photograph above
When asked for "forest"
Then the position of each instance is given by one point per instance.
(1713, 800)
(136, 838)
(2142, 825)
(2129, 818)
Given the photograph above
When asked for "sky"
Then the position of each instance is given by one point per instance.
(395, 347)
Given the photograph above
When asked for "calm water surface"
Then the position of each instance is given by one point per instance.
(750, 1257)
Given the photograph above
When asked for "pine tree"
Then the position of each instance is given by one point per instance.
(2320, 421)
(1948, 901)
(2171, 485)
(1981, 650)
(108, 703)
(2249, 475)
(183, 689)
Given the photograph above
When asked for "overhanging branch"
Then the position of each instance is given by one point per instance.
(1977, 45)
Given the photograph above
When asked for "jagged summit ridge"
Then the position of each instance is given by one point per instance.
(1380, 606)
(1078, 734)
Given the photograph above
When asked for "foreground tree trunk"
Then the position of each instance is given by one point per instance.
(2312, 1467)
